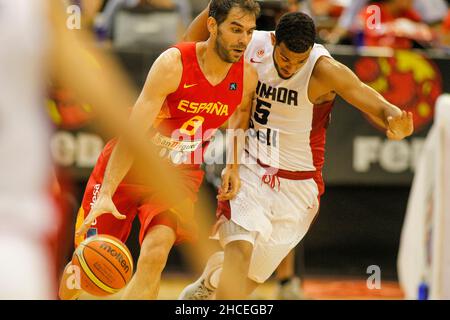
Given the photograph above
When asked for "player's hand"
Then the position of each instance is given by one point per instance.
(231, 183)
(103, 205)
(400, 127)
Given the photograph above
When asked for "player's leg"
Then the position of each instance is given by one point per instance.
(204, 288)
(288, 287)
(243, 277)
(226, 273)
(238, 244)
(298, 203)
(241, 220)
(249, 219)
(232, 284)
(266, 255)
(155, 249)
(286, 268)
(251, 286)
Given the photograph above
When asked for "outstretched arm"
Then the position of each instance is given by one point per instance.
(338, 78)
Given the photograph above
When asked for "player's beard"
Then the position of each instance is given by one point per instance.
(223, 52)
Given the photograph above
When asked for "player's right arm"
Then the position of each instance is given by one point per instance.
(163, 79)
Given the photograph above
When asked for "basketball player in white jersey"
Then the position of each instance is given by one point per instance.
(35, 44)
(25, 209)
(279, 196)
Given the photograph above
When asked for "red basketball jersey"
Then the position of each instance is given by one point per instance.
(191, 115)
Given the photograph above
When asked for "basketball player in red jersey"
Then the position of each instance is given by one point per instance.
(191, 90)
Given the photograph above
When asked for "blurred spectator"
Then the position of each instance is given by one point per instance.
(399, 24)
(431, 12)
(325, 13)
(185, 10)
(105, 19)
(445, 31)
(446, 23)
(198, 6)
(328, 8)
(319, 8)
(294, 5)
(346, 21)
(271, 12)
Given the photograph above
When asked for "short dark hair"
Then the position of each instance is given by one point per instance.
(219, 9)
(297, 31)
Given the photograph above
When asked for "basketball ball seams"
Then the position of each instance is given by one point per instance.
(91, 276)
(91, 281)
(106, 258)
(124, 249)
(95, 256)
(106, 238)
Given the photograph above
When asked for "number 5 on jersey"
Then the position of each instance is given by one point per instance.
(262, 111)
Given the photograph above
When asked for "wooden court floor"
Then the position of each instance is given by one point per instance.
(323, 288)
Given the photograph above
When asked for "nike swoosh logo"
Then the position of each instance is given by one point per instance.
(254, 61)
(187, 86)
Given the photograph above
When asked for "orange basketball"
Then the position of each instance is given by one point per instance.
(105, 263)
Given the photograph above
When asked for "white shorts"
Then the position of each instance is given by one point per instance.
(273, 220)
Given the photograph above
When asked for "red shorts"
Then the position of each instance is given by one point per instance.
(134, 199)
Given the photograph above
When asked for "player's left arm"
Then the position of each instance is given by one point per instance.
(338, 78)
(197, 30)
(237, 126)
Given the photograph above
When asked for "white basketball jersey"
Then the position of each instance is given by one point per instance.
(24, 136)
(289, 131)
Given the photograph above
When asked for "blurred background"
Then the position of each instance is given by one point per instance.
(368, 178)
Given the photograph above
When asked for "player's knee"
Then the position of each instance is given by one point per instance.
(155, 248)
(251, 286)
(153, 260)
(154, 256)
(239, 252)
